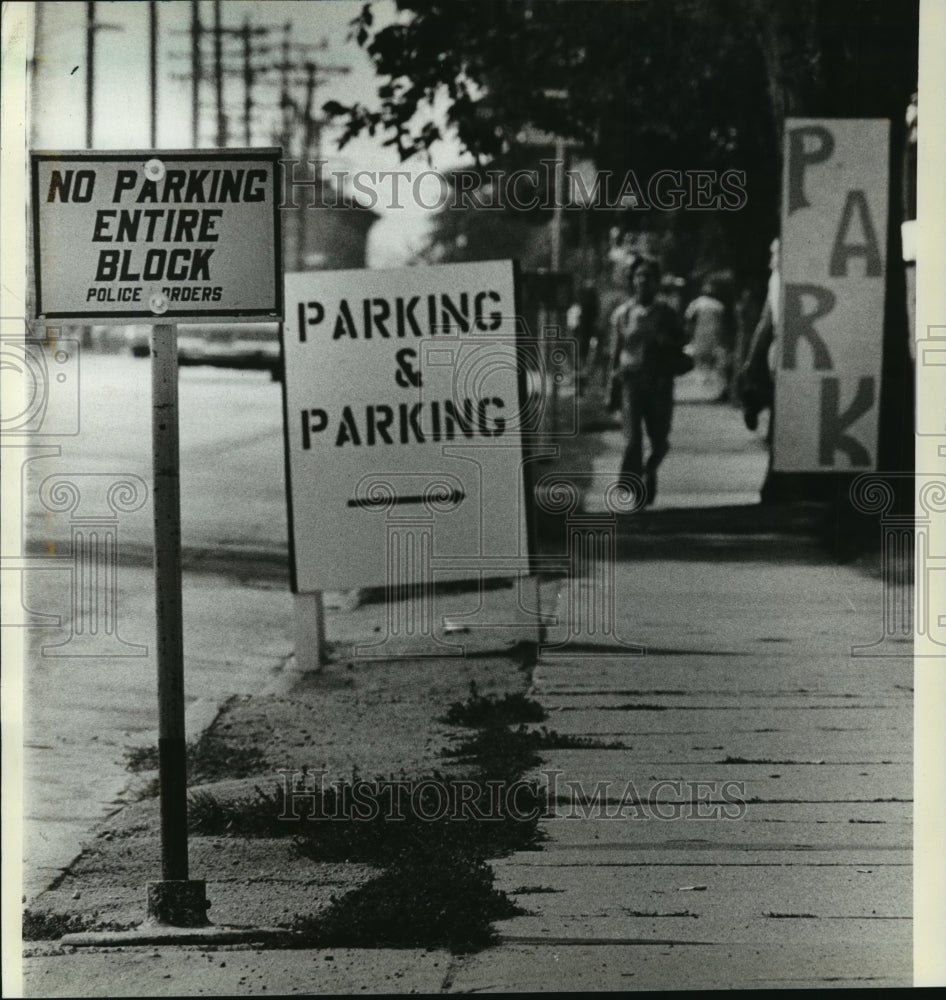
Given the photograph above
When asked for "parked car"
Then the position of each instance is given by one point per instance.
(252, 346)
(138, 339)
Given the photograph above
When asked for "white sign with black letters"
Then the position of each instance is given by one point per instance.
(402, 396)
(831, 310)
(157, 235)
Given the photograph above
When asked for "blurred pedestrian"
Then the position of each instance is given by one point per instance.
(756, 380)
(585, 317)
(648, 340)
(671, 292)
(706, 324)
(747, 311)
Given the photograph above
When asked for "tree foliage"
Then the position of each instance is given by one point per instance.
(668, 79)
(663, 81)
(644, 85)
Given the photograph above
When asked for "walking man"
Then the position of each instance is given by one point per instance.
(648, 340)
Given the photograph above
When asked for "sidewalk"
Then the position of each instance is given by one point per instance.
(747, 678)
(810, 884)
(746, 704)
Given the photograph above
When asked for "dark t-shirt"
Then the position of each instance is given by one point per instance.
(640, 332)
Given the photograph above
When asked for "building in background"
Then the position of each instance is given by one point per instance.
(330, 234)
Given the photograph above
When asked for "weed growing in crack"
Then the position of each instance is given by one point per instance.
(45, 926)
(431, 837)
(422, 900)
(209, 758)
(138, 759)
(255, 815)
(372, 821)
(498, 752)
(478, 711)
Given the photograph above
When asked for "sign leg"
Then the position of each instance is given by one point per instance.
(175, 900)
(310, 631)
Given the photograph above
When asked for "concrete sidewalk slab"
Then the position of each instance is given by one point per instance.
(737, 894)
(673, 965)
(775, 746)
(749, 677)
(872, 717)
(859, 935)
(614, 772)
(153, 972)
(766, 826)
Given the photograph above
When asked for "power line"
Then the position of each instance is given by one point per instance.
(237, 52)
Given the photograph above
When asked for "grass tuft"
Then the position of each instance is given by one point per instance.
(490, 711)
(371, 821)
(421, 901)
(209, 758)
(507, 753)
(44, 926)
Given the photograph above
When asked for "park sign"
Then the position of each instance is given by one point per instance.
(404, 426)
(157, 236)
(831, 307)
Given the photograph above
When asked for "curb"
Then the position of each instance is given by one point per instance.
(163, 934)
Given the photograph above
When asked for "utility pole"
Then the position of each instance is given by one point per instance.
(153, 68)
(218, 77)
(316, 75)
(196, 75)
(559, 195)
(89, 71)
(249, 73)
(312, 141)
(91, 26)
(196, 72)
(247, 84)
(308, 126)
(311, 130)
(286, 104)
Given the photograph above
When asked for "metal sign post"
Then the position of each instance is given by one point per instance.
(175, 900)
(311, 648)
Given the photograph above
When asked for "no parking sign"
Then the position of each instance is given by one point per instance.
(156, 235)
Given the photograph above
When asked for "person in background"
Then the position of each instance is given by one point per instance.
(747, 311)
(756, 380)
(706, 323)
(671, 292)
(582, 319)
(647, 336)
